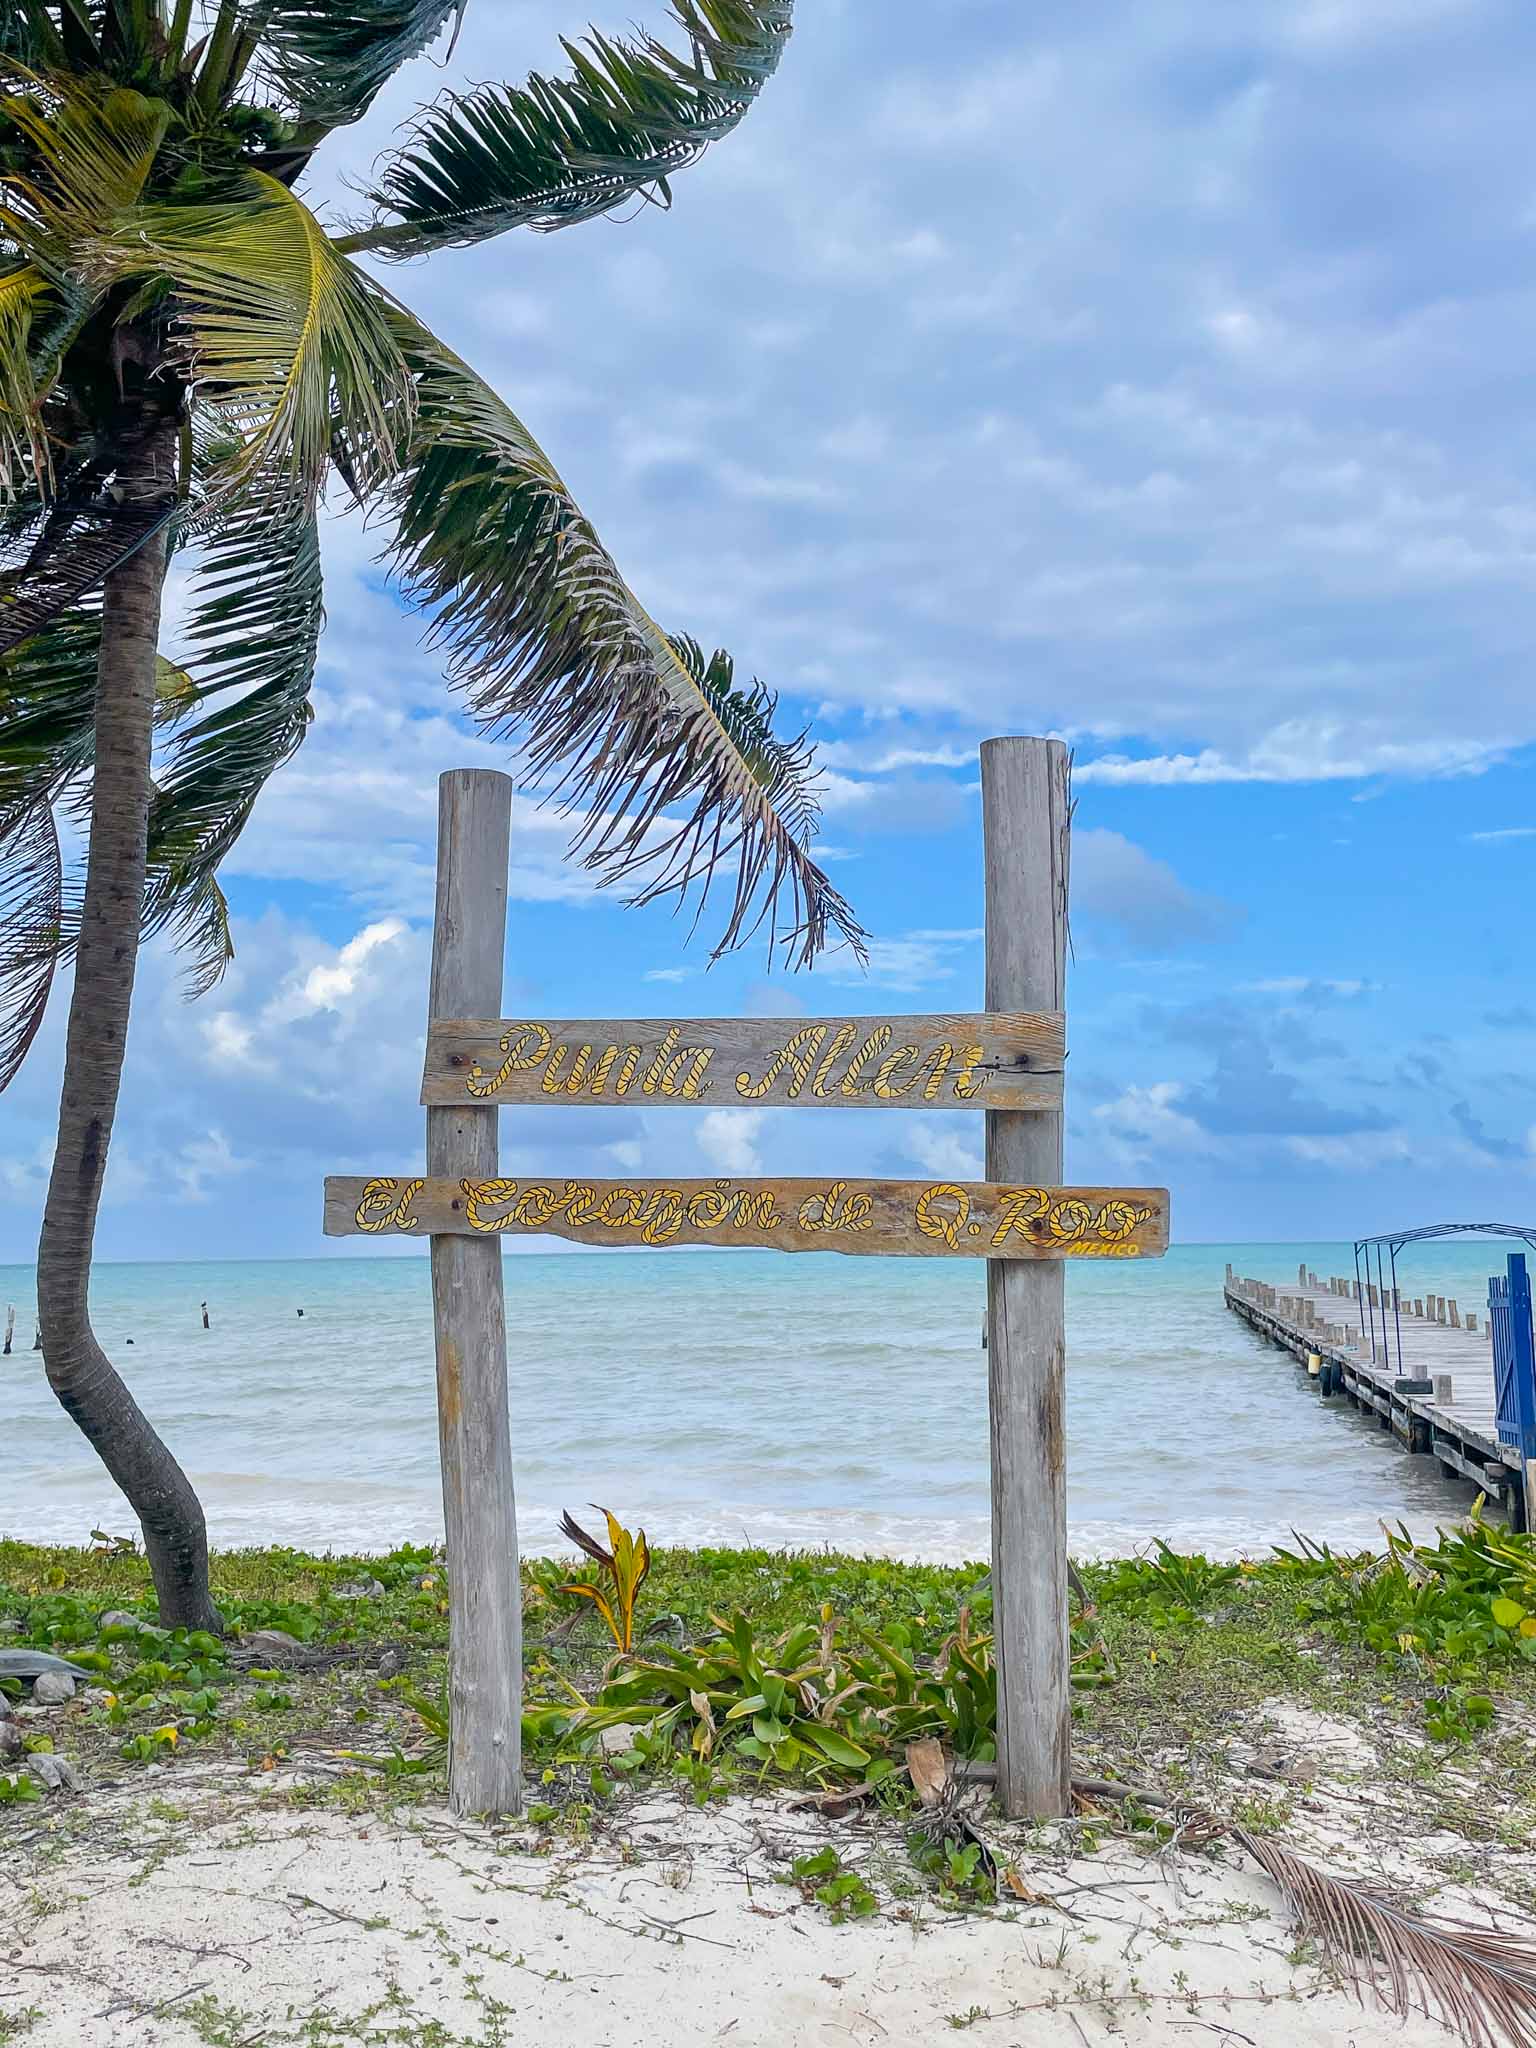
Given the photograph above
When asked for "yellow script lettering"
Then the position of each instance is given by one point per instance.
(937, 1064)
(798, 1057)
(967, 1086)
(658, 1065)
(846, 1034)
(876, 1043)
(886, 1087)
(692, 1085)
(518, 1059)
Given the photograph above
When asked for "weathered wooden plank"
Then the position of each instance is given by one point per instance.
(1026, 828)
(1010, 1060)
(917, 1219)
(1462, 1402)
(485, 1614)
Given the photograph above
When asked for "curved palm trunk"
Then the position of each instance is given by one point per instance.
(175, 1536)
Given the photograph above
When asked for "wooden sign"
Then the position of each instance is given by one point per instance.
(906, 1218)
(1006, 1061)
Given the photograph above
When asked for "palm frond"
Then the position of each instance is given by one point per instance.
(544, 635)
(30, 36)
(23, 451)
(66, 549)
(31, 914)
(253, 614)
(89, 153)
(330, 60)
(1481, 1983)
(200, 929)
(47, 712)
(286, 335)
(255, 629)
(558, 150)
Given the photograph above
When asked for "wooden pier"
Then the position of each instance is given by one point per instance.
(1439, 1402)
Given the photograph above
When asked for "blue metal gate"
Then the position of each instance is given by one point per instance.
(1514, 1356)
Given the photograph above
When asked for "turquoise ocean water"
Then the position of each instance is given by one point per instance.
(800, 1401)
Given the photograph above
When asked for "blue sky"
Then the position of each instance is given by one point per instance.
(1158, 376)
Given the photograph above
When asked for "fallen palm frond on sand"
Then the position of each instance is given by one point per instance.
(1479, 1981)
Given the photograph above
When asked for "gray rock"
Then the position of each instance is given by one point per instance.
(10, 1741)
(52, 1689)
(358, 1589)
(615, 1741)
(54, 1772)
(391, 1664)
(33, 1663)
(272, 1646)
(7, 1711)
(118, 1617)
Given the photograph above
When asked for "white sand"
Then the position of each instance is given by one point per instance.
(234, 1917)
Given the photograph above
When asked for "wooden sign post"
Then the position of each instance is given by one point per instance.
(1008, 1061)
(1025, 814)
(485, 1600)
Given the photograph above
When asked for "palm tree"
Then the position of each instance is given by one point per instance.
(188, 356)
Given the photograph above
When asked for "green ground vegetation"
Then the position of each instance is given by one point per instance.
(811, 1666)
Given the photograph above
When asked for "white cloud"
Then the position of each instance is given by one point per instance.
(1141, 897)
(727, 1139)
(228, 1039)
(1298, 984)
(1505, 832)
(943, 1153)
(203, 1159)
(911, 960)
(1359, 1152)
(24, 1176)
(880, 758)
(1144, 1124)
(1297, 754)
(324, 988)
(1330, 25)
(666, 974)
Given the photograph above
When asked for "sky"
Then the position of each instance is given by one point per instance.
(1156, 376)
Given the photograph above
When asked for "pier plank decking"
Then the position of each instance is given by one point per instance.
(1439, 1402)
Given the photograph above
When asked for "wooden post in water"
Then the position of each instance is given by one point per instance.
(485, 1617)
(1025, 828)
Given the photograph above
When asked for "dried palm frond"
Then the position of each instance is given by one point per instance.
(1480, 1982)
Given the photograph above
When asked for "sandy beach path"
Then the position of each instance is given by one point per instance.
(205, 1912)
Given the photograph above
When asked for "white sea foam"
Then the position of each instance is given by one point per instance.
(793, 1403)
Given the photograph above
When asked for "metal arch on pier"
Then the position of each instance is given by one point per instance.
(1391, 1242)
